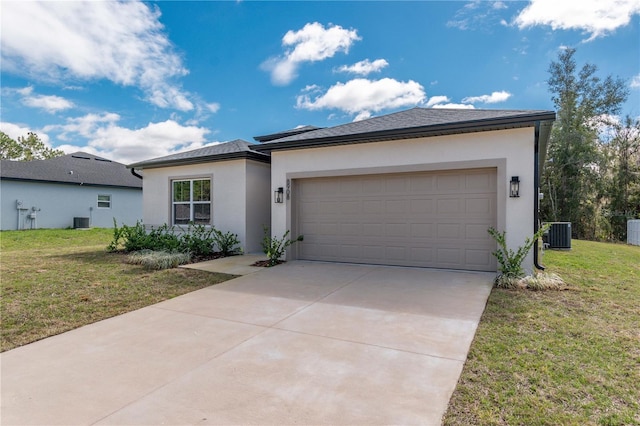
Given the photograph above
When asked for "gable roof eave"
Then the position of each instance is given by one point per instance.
(246, 155)
(526, 119)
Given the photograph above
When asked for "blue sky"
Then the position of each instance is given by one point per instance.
(133, 81)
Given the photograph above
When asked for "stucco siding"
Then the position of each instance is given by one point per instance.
(238, 203)
(259, 199)
(57, 204)
(511, 152)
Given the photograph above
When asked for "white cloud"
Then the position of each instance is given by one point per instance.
(16, 130)
(212, 107)
(434, 100)
(635, 82)
(454, 106)
(365, 67)
(478, 14)
(361, 96)
(51, 104)
(312, 43)
(493, 98)
(123, 42)
(595, 17)
(106, 138)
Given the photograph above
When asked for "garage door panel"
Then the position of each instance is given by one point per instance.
(477, 257)
(373, 207)
(422, 206)
(447, 231)
(432, 219)
(373, 229)
(449, 206)
(422, 255)
(475, 231)
(422, 230)
(448, 183)
(480, 181)
(448, 256)
(422, 184)
(397, 206)
(478, 206)
(398, 230)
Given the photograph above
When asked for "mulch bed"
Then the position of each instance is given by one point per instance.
(212, 256)
(266, 264)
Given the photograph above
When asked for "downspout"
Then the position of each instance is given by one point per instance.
(133, 172)
(536, 192)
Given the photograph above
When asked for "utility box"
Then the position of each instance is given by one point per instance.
(558, 236)
(633, 232)
(80, 222)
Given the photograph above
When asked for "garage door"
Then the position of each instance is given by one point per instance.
(429, 219)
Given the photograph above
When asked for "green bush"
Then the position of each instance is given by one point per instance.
(274, 248)
(227, 243)
(511, 261)
(197, 240)
(162, 238)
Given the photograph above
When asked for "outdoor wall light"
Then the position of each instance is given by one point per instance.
(514, 187)
(278, 195)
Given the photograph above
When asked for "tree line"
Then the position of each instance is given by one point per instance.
(592, 174)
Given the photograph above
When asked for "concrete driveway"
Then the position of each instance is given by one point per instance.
(301, 343)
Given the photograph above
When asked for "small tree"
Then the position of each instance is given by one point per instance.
(26, 149)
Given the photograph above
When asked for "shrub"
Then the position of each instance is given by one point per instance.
(162, 238)
(198, 240)
(128, 238)
(157, 260)
(227, 243)
(511, 261)
(274, 248)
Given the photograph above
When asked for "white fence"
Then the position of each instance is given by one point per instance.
(633, 232)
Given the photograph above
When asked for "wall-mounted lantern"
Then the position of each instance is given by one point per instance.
(278, 195)
(514, 187)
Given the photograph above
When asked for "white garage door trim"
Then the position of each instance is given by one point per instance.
(430, 219)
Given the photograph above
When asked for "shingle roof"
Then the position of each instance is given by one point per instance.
(78, 168)
(415, 122)
(285, 133)
(224, 151)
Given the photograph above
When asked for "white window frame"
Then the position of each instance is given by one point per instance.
(104, 201)
(191, 203)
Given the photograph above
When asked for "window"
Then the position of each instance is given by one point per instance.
(191, 201)
(104, 201)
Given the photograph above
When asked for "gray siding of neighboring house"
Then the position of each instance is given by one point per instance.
(58, 204)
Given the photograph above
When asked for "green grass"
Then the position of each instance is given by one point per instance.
(559, 357)
(54, 280)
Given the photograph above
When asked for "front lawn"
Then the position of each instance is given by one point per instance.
(567, 357)
(54, 280)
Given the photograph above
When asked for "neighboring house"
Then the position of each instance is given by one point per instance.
(75, 190)
(414, 188)
(225, 185)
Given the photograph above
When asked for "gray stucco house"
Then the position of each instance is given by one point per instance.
(414, 188)
(76, 189)
(225, 185)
